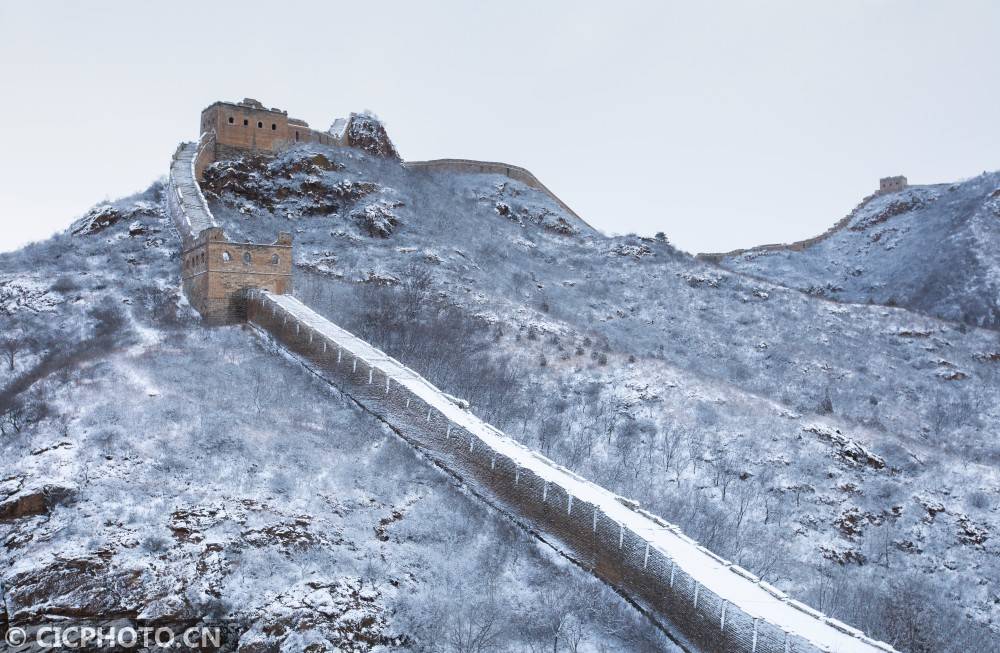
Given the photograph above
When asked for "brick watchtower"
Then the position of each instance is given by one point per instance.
(891, 184)
(238, 127)
(216, 272)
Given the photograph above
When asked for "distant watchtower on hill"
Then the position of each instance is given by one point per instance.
(249, 125)
(891, 184)
(236, 127)
(230, 129)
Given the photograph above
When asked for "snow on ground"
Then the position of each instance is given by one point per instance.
(752, 415)
(168, 471)
(732, 371)
(929, 248)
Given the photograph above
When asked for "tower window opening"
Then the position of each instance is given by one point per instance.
(247, 258)
(231, 120)
(260, 125)
(273, 127)
(245, 122)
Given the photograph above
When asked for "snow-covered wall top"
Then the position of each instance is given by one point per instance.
(187, 205)
(748, 613)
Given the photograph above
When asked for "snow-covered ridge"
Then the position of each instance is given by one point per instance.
(759, 617)
(798, 245)
(931, 249)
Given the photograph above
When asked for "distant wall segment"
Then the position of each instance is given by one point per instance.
(886, 185)
(516, 173)
(798, 245)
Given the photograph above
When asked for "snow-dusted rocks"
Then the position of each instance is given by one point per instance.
(29, 293)
(344, 614)
(103, 216)
(847, 449)
(30, 500)
(367, 133)
(377, 218)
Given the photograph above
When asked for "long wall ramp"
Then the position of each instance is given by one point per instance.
(710, 604)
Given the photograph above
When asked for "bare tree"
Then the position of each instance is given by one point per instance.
(11, 345)
(12, 417)
(473, 630)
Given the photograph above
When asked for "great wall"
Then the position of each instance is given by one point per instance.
(516, 173)
(886, 185)
(702, 601)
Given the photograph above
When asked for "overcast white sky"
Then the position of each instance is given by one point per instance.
(723, 124)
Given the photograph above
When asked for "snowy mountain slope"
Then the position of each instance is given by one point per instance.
(811, 441)
(934, 249)
(153, 468)
(843, 452)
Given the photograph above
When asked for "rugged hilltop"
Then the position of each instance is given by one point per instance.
(933, 249)
(844, 452)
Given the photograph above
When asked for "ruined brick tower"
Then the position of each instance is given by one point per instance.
(237, 127)
(891, 184)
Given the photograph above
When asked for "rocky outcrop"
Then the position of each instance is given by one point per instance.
(103, 216)
(366, 132)
(84, 586)
(286, 185)
(848, 450)
(376, 219)
(36, 500)
(508, 203)
(896, 207)
(344, 614)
